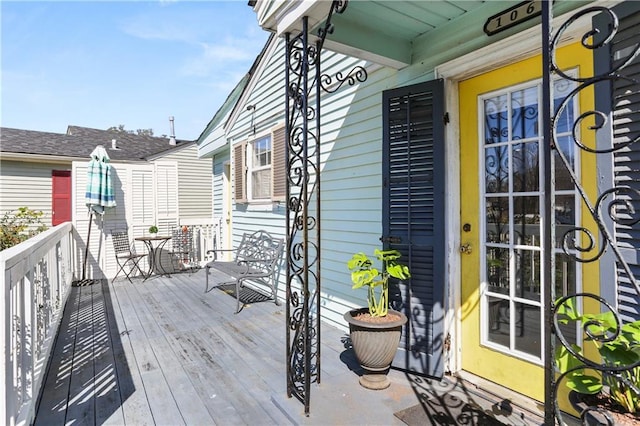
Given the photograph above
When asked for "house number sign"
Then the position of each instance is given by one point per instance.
(514, 15)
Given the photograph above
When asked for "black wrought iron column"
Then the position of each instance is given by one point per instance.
(578, 317)
(304, 84)
(547, 229)
(303, 232)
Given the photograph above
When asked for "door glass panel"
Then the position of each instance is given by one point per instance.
(565, 285)
(526, 220)
(497, 217)
(528, 329)
(496, 119)
(498, 321)
(528, 275)
(524, 113)
(562, 88)
(562, 175)
(496, 161)
(565, 221)
(498, 270)
(526, 167)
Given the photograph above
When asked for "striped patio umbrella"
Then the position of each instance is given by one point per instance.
(99, 194)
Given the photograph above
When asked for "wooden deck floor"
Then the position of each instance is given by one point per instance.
(164, 352)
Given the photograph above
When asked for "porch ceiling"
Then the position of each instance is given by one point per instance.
(389, 28)
(395, 33)
(378, 30)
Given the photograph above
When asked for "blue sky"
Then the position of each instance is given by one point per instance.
(102, 64)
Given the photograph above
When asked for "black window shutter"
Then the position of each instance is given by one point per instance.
(413, 217)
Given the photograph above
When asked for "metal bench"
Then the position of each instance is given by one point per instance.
(256, 259)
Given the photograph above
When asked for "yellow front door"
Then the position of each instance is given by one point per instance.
(502, 203)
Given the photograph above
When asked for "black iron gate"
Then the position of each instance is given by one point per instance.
(614, 238)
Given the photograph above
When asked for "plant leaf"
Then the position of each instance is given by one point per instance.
(363, 277)
(581, 383)
(618, 355)
(567, 311)
(565, 360)
(398, 271)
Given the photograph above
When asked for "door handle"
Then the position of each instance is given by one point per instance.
(465, 248)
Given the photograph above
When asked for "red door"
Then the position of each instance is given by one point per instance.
(61, 201)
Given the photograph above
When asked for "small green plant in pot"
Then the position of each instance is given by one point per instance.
(363, 273)
(618, 347)
(153, 229)
(375, 330)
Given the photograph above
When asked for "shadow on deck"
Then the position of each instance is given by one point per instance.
(164, 352)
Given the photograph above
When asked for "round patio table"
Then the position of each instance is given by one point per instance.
(154, 246)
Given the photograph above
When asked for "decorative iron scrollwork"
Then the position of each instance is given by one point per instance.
(357, 74)
(615, 205)
(303, 83)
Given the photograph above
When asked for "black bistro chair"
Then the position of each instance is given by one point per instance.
(125, 254)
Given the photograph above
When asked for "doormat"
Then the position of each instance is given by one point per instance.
(434, 412)
(247, 294)
(84, 283)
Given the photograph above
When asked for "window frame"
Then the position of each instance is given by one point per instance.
(252, 168)
(243, 164)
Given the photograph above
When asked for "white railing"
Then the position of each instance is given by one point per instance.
(37, 277)
(204, 237)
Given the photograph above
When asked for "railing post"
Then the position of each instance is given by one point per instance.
(5, 334)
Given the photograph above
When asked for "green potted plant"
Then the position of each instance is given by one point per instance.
(153, 229)
(618, 349)
(375, 331)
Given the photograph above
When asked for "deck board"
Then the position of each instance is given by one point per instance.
(162, 351)
(161, 401)
(82, 386)
(107, 399)
(59, 378)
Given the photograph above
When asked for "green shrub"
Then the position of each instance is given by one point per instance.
(20, 225)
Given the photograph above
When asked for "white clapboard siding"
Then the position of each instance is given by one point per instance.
(193, 180)
(24, 183)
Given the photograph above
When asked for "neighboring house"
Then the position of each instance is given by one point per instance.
(438, 153)
(156, 182)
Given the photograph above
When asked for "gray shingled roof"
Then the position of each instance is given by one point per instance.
(80, 142)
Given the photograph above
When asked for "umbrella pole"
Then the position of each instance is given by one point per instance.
(86, 247)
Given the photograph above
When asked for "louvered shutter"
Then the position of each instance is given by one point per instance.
(278, 165)
(413, 218)
(142, 201)
(167, 195)
(623, 100)
(240, 173)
